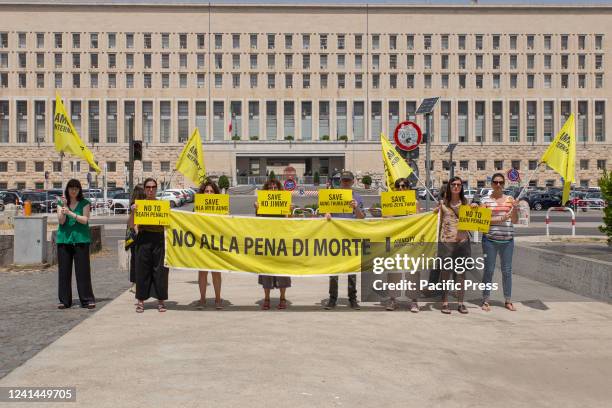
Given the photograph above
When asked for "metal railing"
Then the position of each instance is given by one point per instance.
(561, 209)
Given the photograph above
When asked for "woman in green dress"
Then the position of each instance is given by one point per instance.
(73, 239)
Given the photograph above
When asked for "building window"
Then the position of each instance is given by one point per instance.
(253, 80)
(111, 121)
(462, 81)
(498, 164)
(478, 81)
(582, 81)
(22, 121)
(183, 121)
(481, 165)
(129, 40)
(272, 81)
(496, 81)
(253, 41)
(147, 121)
(21, 166)
(443, 80)
(445, 121)
(427, 61)
(164, 166)
(581, 42)
(358, 41)
(530, 81)
(147, 166)
(601, 164)
(165, 121)
(547, 81)
(410, 81)
(201, 40)
(165, 80)
(548, 120)
(342, 80)
(600, 121)
(497, 121)
(94, 121)
(515, 123)
(582, 121)
(584, 164)
(218, 41)
(478, 42)
(427, 41)
(564, 41)
(271, 41)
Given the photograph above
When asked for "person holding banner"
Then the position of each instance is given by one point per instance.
(270, 282)
(73, 239)
(499, 239)
(454, 243)
(209, 187)
(402, 184)
(346, 182)
(150, 270)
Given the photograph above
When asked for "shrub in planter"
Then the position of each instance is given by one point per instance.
(289, 137)
(367, 181)
(224, 182)
(316, 179)
(325, 137)
(235, 137)
(343, 137)
(254, 137)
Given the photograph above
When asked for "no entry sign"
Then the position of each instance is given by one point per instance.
(408, 135)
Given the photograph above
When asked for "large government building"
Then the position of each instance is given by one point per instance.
(309, 86)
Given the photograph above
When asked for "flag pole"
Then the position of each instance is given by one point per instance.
(424, 186)
(527, 181)
(169, 181)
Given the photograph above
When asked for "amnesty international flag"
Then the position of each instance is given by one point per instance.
(66, 137)
(395, 166)
(191, 159)
(561, 155)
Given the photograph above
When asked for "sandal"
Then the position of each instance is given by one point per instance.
(219, 305)
(139, 308)
(91, 306)
(265, 305)
(510, 306)
(61, 306)
(485, 306)
(445, 309)
(462, 309)
(414, 307)
(282, 305)
(161, 307)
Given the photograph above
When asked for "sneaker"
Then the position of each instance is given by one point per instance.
(330, 304)
(354, 304)
(392, 305)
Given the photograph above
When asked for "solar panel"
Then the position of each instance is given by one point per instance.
(427, 105)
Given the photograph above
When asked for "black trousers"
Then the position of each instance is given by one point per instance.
(67, 254)
(133, 263)
(150, 270)
(352, 287)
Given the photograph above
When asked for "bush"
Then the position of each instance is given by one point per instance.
(224, 182)
(316, 179)
(272, 176)
(254, 138)
(235, 137)
(343, 137)
(605, 183)
(325, 137)
(289, 137)
(366, 180)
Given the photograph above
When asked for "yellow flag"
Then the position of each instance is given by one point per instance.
(395, 166)
(191, 159)
(561, 155)
(66, 137)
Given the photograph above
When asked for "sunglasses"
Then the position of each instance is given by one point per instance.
(499, 183)
(402, 186)
(456, 184)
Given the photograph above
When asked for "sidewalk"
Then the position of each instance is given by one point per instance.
(553, 354)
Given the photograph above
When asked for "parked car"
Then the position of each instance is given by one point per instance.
(542, 201)
(10, 197)
(469, 194)
(592, 200)
(95, 198)
(120, 202)
(575, 199)
(175, 201)
(41, 201)
(190, 195)
(180, 194)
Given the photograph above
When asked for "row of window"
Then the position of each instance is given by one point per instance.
(494, 121)
(394, 61)
(304, 81)
(325, 41)
(164, 166)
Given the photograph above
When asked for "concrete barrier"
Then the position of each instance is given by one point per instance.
(123, 256)
(6, 249)
(578, 274)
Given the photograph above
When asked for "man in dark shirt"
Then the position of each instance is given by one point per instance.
(346, 182)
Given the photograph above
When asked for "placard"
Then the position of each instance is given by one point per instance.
(335, 201)
(152, 212)
(474, 219)
(274, 202)
(398, 203)
(211, 203)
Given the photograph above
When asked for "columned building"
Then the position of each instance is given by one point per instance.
(311, 86)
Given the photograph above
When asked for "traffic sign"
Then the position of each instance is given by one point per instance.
(513, 175)
(408, 135)
(289, 184)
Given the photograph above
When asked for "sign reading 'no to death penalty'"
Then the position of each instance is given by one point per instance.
(474, 219)
(335, 201)
(274, 202)
(152, 212)
(398, 203)
(211, 203)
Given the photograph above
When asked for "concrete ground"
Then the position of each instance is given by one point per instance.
(547, 354)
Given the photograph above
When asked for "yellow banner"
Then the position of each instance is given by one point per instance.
(335, 201)
(211, 203)
(291, 246)
(474, 219)
(67, 139)
(152, 212)
(395, 166)
(398, 203)
(273, 202)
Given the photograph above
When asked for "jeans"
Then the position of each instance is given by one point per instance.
(490, 250)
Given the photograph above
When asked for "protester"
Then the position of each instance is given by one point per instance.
(454, 243)
(150, 271)
(499, 239)
(402, 184)
(346, 182)
(73, 239)
(131, 233)
(209, 187)
(270, 282)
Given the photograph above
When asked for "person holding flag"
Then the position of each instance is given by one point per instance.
(191, 160)
(395, 166)
(67, 139)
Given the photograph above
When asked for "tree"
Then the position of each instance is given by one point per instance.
(367, 181)
(605, 183)
(272, 176)
(316, 179)
(224, 182)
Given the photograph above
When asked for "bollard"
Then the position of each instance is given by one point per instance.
(27, 208)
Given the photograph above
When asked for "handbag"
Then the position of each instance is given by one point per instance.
(130, 238)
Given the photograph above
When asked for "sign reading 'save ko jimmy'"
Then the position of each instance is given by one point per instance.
(152, 212)
(273, 202)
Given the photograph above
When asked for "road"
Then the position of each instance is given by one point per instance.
(586, 222)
